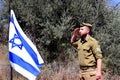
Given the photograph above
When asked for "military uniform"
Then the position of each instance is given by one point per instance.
(88, 53)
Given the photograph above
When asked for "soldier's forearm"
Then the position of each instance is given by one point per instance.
(73, 39)
(99, 65)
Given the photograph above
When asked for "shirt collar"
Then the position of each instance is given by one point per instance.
(87, 39)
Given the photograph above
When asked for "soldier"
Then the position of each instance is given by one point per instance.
(89, 53)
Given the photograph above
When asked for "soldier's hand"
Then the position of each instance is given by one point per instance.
(76, 31)
(98, 75)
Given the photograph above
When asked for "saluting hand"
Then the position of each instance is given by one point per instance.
(76, 31)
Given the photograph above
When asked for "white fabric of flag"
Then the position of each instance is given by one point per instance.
(23, 54)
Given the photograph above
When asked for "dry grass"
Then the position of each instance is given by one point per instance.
(70, 71)
(52, 71)
(57, 71)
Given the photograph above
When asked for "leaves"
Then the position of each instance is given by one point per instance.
(51, 23)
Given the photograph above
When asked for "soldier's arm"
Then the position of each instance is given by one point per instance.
(99, 67)
(73, 39)
(98, 55)
(74, 36)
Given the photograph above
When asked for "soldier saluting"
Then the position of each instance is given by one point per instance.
(89, 53)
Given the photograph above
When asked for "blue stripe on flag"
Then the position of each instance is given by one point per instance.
(19, 61)
(26, 45)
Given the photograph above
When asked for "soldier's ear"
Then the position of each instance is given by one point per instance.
(88, 29)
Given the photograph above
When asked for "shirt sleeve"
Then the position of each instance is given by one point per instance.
(97, 50)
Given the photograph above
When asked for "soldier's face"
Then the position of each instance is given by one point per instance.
(84, 30)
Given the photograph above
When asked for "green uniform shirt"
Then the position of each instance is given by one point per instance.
(88, 51)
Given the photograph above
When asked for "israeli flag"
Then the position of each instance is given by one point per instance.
(23, 54)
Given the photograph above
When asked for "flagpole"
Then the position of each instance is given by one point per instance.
(11, 75)
(11, 70)
(20, 63)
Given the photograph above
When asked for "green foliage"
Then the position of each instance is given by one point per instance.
(114, 44)
(4, 19)
(50, 24)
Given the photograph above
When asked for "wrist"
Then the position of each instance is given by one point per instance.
(74, 35)
(73, 39)
(99, 72)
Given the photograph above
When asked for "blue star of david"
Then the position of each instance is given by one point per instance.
(14, 44)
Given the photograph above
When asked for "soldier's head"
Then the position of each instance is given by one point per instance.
(85, 28)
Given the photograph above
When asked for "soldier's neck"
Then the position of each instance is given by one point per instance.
(84, 37)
